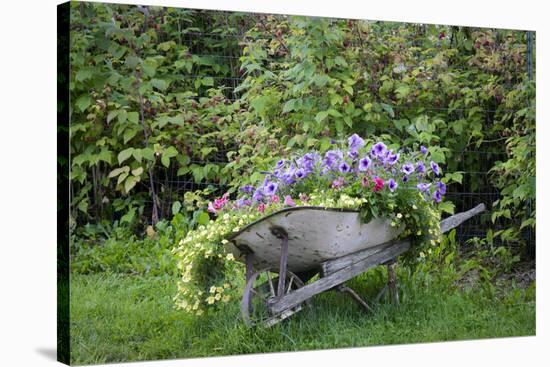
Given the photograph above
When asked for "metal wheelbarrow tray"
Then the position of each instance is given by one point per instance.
(285, 249)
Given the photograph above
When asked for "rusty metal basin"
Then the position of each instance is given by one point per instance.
(315, 234)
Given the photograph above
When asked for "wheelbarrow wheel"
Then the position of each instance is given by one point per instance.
(260, 288)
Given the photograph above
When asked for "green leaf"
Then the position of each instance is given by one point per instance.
(208, 81)
(79, 159)
(83, 206)
(148, 154)
(159, 84)
(83, 74)
(320, 80)
(138, 171)
(112, 115)
(334, 113)
(83, 102)
(118, 171)
(170, 152)
(447, 207)
(132, 61)
(321, 116)
(259, 103)
(348, 88)
(207, 150)
(402, 91)
(165, 46)
(203, 218)
(137, 155)
(182, 171)
(124, 155)
(122, 177)
(133, 117)
(129, 216)
(165, 160)
(129, 134)
(421, 123)
(130, 183)
(105, 156)
(437, 154)
(176, 206)
(122, 116)
(386, 107)
(348, 121)
(289, 105)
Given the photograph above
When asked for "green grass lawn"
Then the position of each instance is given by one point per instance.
(130, 318)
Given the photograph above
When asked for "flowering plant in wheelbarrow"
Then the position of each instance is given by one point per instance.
(371, 177)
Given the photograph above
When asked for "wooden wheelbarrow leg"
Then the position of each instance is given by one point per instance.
(345, 289)
(446, 225)
(392, 284)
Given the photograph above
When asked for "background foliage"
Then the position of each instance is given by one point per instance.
(168, 101)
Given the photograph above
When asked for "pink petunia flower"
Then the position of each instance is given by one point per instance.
(339, 182)
(378, 184)
(289, 201)
(211, 208)
(261, 207)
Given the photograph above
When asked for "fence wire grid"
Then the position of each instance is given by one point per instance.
(171, 187)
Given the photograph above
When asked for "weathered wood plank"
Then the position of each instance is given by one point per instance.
(454, 221)
(300, 295)
(332, 266)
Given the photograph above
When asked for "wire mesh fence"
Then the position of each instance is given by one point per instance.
(224, 51)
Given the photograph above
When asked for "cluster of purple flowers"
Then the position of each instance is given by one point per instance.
(377, 167)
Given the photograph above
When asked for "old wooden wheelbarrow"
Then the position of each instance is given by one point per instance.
(285, 249)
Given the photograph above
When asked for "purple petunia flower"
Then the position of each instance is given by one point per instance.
(247, 189)
(353, 154)
(333, 157)
(441, 187)
(344, 167)
(300, 173)
(239, 203)
(392, 158)
(392, 185)
(355, 142)
(364, 164)
(280, 163)
(423, 187)
(379, 149)
(436, 196)
(423, 149)
(405, 178)
(407, 168)
(420, 167)
(435, 168)
(258, 194)
(270, 188)
(311, 158)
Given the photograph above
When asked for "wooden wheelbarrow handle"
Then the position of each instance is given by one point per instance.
(454, 221)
